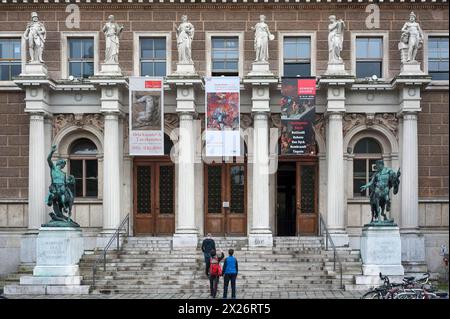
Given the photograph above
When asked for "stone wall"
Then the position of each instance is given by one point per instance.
(14, 127)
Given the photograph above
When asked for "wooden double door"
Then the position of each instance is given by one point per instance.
(297, 198)
(225, 199)
(154, 197)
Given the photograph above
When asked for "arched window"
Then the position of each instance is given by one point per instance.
(367, 151)
(83, 166)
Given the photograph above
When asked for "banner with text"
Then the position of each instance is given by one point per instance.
(298, 108)
(146, 116)
(222, 116)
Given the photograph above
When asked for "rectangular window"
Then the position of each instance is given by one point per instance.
(85, 172)
(438, 58)
(152, 56)
(81, 57)
(10, 58)
(369, 57)
(225, 56)
(297, 56)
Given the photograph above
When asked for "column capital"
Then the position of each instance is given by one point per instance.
(408, 115)
(334, 115)
(260, 115)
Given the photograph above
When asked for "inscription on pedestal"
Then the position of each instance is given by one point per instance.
(52, 251)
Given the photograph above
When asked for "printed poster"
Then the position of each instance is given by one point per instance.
(222, 116)
(298, 108)
(146, 116)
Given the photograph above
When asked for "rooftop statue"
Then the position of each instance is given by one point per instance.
(379, 186)
(335, 39)
(185, 35)
(36, 34)
(112, 32)
(413, 37)
(262, 37)
(60, 195)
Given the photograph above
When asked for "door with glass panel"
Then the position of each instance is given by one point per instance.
(154, 198)
(306, 198)
(225, 199)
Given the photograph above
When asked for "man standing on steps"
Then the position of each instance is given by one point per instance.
(208, 245)
(230, 271)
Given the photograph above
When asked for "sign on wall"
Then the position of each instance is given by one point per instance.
(298, 108)
(146, 116)
(222, 116)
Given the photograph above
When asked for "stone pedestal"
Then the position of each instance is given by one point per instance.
(411, 68)
(260, 69)
(185, 69)
(110, 69)
(35, 69)
(336, 69)
(381, 251)
(59, 250)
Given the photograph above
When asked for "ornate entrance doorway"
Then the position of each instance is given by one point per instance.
(297, 197)
(225, 199)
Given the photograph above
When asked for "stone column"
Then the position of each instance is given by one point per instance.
(186, 234)
(260, 233)
(37, 212)
(111, 173)
(335, 183)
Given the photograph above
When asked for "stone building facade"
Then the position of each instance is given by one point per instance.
(401, 119)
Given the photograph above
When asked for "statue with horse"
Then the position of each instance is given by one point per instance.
(60, 194)
(380, 185)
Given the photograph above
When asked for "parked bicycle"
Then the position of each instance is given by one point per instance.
(409, 288)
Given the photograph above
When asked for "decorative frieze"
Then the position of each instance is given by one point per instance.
(61, 121)
(388, 120)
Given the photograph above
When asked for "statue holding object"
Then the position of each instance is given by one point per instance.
(379, 186)
(60, 194)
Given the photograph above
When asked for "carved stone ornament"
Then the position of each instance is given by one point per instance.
(171, 120)
(276, 120)
(388, 120)
(61, 121)
(246, 121)
(319, 124)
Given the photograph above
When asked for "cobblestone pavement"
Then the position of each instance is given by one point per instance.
(332, 294)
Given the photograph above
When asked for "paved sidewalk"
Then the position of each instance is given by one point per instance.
(331, 294)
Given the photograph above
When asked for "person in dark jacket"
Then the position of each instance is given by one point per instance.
(208, 244)
(230, 271)
(214, 279)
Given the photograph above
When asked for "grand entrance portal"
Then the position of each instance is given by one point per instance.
(154, 197)
(226, 199)
(297, 198)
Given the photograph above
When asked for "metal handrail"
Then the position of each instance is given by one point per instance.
(323, 226)
(116, 234)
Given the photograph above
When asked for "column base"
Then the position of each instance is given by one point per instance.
(260, 239)
(185, 240)
(340, 238)
(28, 247)
(413, 251)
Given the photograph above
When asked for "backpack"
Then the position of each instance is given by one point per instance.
(214, 267)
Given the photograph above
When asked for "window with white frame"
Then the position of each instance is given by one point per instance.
(224, 56)
(296, 56)
(152, 56)
(10, 58)
(83, 165)
(369, 57)
(438, 57)
(81, 57)
(366, 152)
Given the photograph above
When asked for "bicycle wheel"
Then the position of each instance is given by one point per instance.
(372, 295)
(406, 295)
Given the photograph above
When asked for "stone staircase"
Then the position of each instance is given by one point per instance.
(149, 265)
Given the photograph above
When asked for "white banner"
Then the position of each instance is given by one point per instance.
(146, 116)
(222, 107)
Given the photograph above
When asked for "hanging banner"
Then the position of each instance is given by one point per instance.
(298, 108)
(222, 116)
(146, 116)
